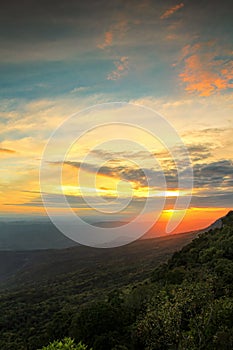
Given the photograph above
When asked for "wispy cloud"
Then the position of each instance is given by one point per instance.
(169, 12)
(79, 89)
(115, 32)
(108, 38)
(8, 151)
(122, 67)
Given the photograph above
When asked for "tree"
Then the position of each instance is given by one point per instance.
(65, 344)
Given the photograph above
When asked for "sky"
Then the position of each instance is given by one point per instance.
(59, 58)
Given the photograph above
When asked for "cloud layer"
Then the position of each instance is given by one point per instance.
(169, 12)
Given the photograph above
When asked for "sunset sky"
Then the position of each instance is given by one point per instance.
(59, 57)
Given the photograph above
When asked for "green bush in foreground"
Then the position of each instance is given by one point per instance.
(65, 344)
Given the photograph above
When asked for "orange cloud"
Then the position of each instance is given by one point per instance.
(5, 150)
(116, 31)
(122, 66)
(108, 38)
(172, 10)
(203, 73)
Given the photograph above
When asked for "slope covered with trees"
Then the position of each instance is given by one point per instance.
(186, 304)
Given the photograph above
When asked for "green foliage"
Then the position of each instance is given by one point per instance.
(66, 344)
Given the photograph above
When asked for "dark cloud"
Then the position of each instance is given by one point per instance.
(137, 176)
(222, 167)
(214, 175)
(208, 175)
(103, 154)
(211, 200)
(199, 152)
(213, 181)
(195, 151)
(219, 201)
(77, 202)
(57, 200)
(140, 177)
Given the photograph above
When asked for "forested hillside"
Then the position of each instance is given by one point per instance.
(185, 303)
